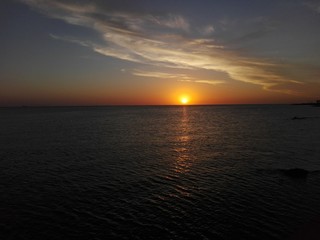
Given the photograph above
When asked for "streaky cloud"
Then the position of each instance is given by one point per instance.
(175, 76)
(156, 39)
(207, 30)
(211, 82)
(171, 21)
(313, 5)
(154, 74)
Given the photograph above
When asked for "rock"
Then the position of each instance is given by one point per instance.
(298, 118)
(295, 172)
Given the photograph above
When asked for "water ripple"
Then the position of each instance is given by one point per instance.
(157, 173)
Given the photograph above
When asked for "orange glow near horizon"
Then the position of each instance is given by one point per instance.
(159, 93)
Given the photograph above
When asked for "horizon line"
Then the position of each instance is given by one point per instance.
(147, 105)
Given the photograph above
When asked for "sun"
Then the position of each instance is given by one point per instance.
(184, 100)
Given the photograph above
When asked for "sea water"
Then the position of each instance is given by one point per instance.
(159, 172)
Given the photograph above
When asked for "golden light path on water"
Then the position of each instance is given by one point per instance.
(183, 161)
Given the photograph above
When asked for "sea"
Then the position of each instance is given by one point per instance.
(160, 172)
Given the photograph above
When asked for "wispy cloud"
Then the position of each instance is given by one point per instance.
(211, 82)
(171, 21)
(207, 30)
(313, 5)
(163, 75)
(162, 39)
(175, 76)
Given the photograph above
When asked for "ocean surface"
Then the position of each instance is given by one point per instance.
(179, 172)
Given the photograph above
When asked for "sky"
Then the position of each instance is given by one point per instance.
(150, 52)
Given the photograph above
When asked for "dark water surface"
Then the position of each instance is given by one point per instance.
(196, 172)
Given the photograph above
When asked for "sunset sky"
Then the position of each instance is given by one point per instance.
(77, 52)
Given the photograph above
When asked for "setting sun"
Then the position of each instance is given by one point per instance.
(184, 100)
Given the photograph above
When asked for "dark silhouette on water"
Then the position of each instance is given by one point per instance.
(295, 172)
(302, 118)
(298, 118)
(315, 104)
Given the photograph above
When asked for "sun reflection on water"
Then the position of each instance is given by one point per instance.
(183, 144)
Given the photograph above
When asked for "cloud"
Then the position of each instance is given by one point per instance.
(162, 39)
(313, 5)
(211, 82)
(153, 74)
(175, 76)
(207, 30)
(171, 21)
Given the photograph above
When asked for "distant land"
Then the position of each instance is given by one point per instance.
(316, 104)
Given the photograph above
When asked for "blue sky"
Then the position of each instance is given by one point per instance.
(144, 52)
